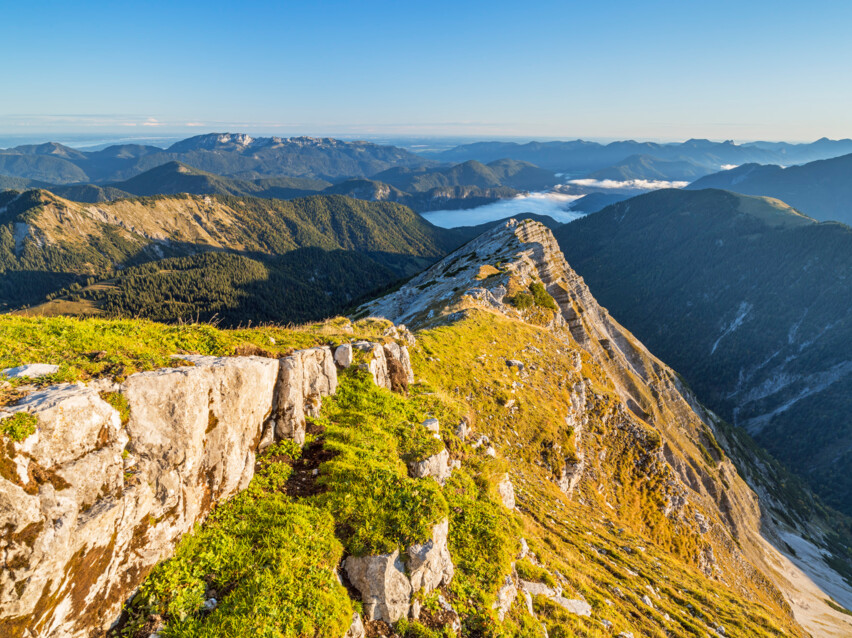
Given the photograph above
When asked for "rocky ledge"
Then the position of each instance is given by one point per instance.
(96, 496)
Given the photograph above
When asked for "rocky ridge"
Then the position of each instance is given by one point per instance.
(656, 422)
(96, 496)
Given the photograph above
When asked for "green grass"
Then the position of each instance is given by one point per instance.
(89, 348)
(369, 493)
(19, 426)
(271, 558)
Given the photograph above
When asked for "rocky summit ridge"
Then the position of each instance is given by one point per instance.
(518, 271)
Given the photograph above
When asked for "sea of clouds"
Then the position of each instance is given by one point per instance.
(555, 205)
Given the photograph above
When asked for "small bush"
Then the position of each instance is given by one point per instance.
(119, 402)
(19, 426)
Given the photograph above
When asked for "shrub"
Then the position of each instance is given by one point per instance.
(19, 426)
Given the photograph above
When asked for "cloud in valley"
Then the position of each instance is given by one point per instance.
(553, 205)
(630, 184)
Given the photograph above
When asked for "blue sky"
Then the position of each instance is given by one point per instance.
(653, 70)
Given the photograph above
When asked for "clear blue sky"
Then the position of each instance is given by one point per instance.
(596, 69)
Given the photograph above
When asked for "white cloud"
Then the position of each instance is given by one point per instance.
(194, 124)
(151, 122)
(630, 184)
(727, 167)
(553, 205)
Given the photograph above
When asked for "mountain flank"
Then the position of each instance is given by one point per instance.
(175, 257)
(821, 189)
(748, 299)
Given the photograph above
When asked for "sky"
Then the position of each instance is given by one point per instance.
(741, 70)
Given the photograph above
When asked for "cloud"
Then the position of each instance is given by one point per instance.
(727, 167)
(194, 124)
(553, 205)
(630, 184)
(151, 122)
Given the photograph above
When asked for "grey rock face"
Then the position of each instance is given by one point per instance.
(303, 379)
(384, 587)
(111, 501)
(430, 564)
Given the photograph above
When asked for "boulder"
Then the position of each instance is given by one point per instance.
(385, 590)
(576, 607)
(430, 564)
(537, 589)
(436, 466)
(463, 429)
(507, 492)
(30, 370)
(356, 628)
(433, 425)
(390, 365)
(505, 597)
(303, 379)
(343, 355)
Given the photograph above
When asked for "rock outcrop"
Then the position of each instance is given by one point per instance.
(430, 564)
(385, 586)
(89, 505)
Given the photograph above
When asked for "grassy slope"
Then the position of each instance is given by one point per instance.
(270, 553)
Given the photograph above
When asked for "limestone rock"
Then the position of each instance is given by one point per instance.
(537, 589)
(507, 492)
(505, 597)
(30, 370)
(463, 429)
(436, 466)
(303, 379)
(430, 564)
(433, 426)
(97, 521)
(384, 588)
(576, 607)
(343, 355)
(390, 365)
(356, 628)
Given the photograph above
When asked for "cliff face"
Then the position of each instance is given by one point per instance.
(93, 499)
(653, 424)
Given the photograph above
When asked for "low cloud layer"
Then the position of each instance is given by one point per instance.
(553, 205)
(627, 185)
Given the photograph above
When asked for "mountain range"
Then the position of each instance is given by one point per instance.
(579, 158)
(822, 188)
(226, 154)
(748, 299)
(512, 462)
(241, 259)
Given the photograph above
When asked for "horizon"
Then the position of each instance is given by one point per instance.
(96, 141)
